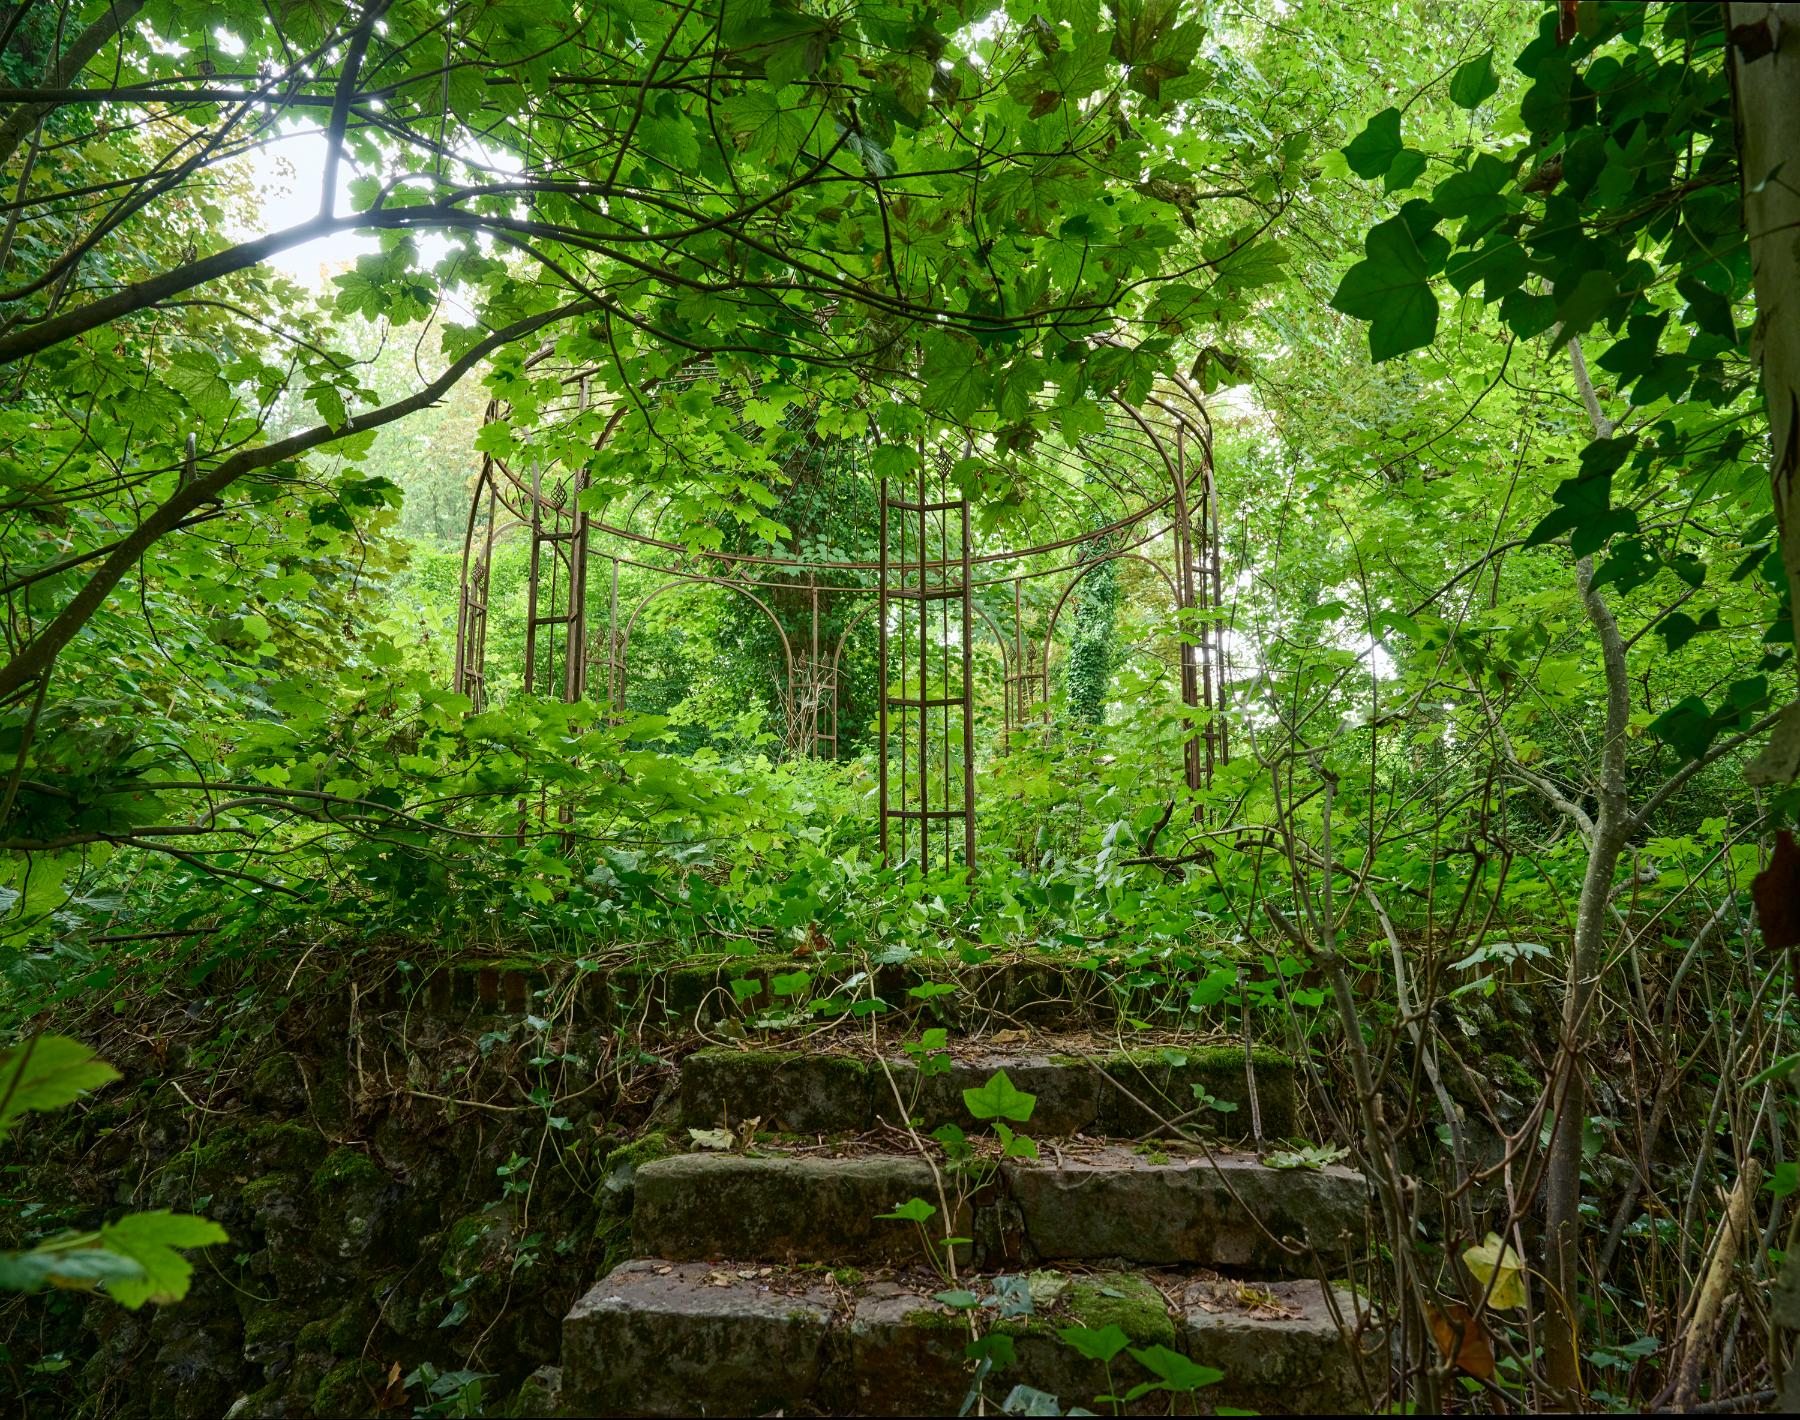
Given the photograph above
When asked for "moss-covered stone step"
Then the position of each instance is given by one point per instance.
(657, 1337)
(1035, 989)
(1094, 1203)
(1119, 1093)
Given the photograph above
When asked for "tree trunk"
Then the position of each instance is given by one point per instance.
(1587, 958)
(1765, 73)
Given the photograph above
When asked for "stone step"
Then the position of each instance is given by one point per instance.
(1029, 988)
(770, 991)
(685, 1338)
(1080, 1090)
(1084, 1202)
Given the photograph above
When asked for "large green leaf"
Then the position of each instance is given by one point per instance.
(1100, 1344)
(1391, 288)
(1173, 1372)
(999, 1098)
(1474, 82)
(48, 1072)
(150, 1240)
(75, 1268)
(1372, 152)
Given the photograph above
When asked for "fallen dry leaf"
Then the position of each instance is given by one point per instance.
(393, 1392)
(1265, 1304)
(1463, 1341)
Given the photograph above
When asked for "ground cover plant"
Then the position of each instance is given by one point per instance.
(1378, 427)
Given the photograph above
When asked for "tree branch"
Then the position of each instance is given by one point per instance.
(38, 654)
(74, 59)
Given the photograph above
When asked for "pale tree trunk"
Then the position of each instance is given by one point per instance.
(1606, 835)
(1765, 73)
(1764, 55)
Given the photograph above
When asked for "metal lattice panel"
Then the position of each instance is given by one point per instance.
(1141, 487)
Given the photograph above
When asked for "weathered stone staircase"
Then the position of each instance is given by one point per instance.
(767, 1280)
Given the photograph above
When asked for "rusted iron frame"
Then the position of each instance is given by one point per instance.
(1206, 567)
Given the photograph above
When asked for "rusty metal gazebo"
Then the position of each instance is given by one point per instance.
(1141, 489)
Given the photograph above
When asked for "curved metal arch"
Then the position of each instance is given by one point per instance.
(1081, 575)
(687, 582)
(1152, 455)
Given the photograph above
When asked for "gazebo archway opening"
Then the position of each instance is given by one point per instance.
(913, 545)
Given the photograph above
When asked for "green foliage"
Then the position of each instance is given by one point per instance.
(1097, 1345)
(134, 1259)
(47, 1072)
(999, 1098)
(1173, 1372)
(829, 251)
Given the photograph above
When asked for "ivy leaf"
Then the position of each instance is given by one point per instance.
(1475, 82)
(1173, 1372)
(151, 1240)
(47, 1073)
(914, 1210)
(1101, 1345)
(1000, 1099)
(790, 983)
(1391, 288)
(1015, 1146)
(1372, 152)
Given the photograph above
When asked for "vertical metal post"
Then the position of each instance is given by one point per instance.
(1210, 492)
(968, 695)
(531, 580)
(1184, 598)
(612, 641)
(1207, 631)
(881, 671)
(575, 652)
(924, 682)
(815, 683)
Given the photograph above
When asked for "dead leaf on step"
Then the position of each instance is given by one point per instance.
(664, 1270)
(713, 1138)
(1011, 1037)
(717, 1279)
(1463, 1341)
(1263, 1303)
(393, 1392)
